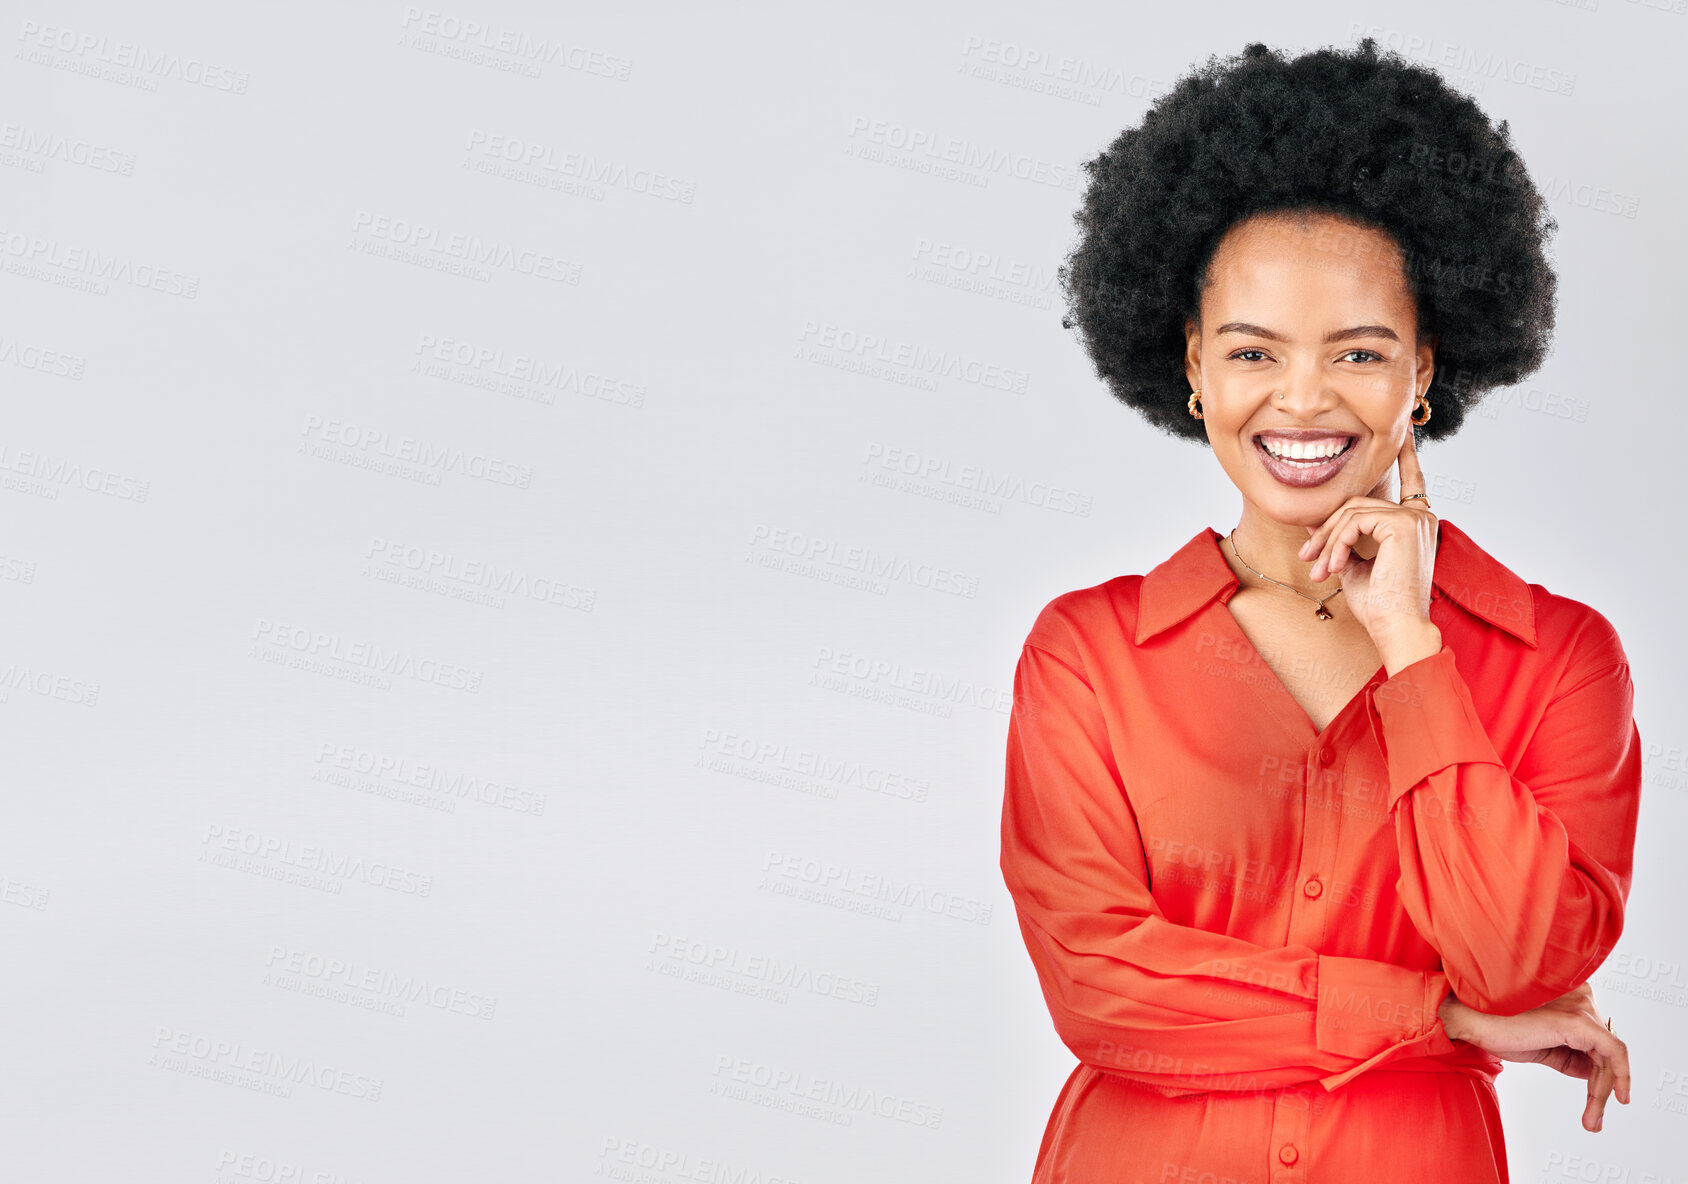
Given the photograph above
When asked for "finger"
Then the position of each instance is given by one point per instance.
(1412, 473)
(1599, 1089)
(1611, 1059)
(1318, 545)
(1339, 543)
(1315, 538)
(1620, 1070)
(1339, 549)
(1615, 1055)
(1573, 1063)
(1318, 534)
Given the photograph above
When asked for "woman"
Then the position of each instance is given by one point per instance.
(1312, 826)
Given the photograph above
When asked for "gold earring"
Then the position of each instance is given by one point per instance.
(1425, 403)
(1194, 399)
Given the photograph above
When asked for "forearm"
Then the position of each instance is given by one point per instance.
(1402, 645)
(1180, 1008)
(1489, 872)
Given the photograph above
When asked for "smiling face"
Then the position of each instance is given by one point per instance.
(1316, 309)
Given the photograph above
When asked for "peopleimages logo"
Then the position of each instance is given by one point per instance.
(578, 166)
(53, 146)
(343, 975)
(261, 1069)
(785, 1088)
(413, 450)
(34, 253)
(471, 34)
(809, 551)
(795, 869)
(127, 55)
(313, 858)
(467, 248)
(932, 148)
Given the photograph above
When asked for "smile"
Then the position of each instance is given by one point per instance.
(1300, 461)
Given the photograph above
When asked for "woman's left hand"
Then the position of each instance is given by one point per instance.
(1389, 593)
(1565, 1034)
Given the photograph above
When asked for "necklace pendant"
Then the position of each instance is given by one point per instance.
(1323, 613)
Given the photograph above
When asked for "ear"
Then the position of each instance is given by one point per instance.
(1426, 364)
(1193, 353)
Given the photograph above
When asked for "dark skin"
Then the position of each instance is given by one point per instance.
(1279, 289)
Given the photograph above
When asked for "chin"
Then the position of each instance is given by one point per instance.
(1310, 507)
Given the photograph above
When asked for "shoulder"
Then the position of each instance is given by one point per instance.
(1100, 623)
(1077, 623)
(1578, 635)
(1568, 636)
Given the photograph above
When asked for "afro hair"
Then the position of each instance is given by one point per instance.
(1370, 138)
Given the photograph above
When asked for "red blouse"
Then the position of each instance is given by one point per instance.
(1243, 926)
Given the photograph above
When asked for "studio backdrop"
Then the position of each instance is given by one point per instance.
(519, 522)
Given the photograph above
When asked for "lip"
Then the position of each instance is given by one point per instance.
(1303, 475)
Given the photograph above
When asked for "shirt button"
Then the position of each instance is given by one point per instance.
(1313, 887)
(1287, 1153)
(1327, 754)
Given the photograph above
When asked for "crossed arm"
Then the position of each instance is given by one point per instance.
(1520, 910)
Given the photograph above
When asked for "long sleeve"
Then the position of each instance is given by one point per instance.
(1134, 994)
(1519, 881)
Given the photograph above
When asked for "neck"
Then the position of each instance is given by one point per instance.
(1271, 547)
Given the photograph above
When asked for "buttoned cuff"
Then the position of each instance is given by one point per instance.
(1378, 1011)
(1424, 720)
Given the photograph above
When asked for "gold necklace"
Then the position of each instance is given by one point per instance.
(1323, 613)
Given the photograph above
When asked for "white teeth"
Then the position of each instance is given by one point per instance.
(1314, 450)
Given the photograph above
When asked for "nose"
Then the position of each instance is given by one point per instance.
(1305, 391)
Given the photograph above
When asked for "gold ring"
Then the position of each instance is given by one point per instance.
(1609, 1027)
(1410, 497)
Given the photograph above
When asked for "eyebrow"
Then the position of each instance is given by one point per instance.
(1336, 335)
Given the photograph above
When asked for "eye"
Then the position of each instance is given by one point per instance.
(1238, 355)
(1370, 354)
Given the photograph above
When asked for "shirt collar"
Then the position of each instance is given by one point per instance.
(1475, 580)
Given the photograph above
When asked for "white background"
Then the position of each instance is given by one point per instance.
(412, 674)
